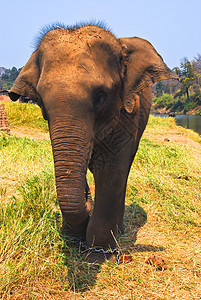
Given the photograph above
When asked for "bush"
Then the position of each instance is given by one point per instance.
(165, 100)
(196, 97)
(177, 104)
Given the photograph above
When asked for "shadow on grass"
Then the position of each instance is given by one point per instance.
(82, 275)
(135, 218)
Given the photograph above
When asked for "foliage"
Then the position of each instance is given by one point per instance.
(187, 77)
(197, 68)
(164, 100)
(5, 84)
(186, 93)
(179, 104)
(8, 77)
(161, 88)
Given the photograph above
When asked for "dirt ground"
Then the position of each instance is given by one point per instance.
(175, 136)
(33, 134)
(172, 136)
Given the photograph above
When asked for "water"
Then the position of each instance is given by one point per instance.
(186, 121)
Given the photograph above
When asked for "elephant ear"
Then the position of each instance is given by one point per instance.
(26, 83)
(27, 80)
(142, 67)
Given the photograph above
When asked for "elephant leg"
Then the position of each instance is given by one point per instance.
(110, 164)
(120, 224)
(78, 231)
(109, 207)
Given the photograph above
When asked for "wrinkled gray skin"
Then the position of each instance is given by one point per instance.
(95, 92)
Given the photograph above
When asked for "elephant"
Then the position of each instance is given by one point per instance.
(95, 91)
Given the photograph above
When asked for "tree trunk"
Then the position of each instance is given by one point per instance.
(187, 93)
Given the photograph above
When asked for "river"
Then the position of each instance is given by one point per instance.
(186, 121)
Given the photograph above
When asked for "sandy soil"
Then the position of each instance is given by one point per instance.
(175, 136)
(33, 134)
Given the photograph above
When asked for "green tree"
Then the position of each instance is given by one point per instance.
(13, 73)
(4, 86)
(161, 88)
(4, 77)
(187, 77)
(9, 76)
(197, 68)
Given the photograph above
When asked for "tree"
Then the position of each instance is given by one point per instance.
(197, 68)
(159, 89)
(187, 76)
(13, 73)
(162, 88)
(4, 86)
(4, 77)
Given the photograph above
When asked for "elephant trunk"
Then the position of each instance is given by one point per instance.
(71, 144)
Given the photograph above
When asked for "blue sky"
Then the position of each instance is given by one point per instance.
(173, 26)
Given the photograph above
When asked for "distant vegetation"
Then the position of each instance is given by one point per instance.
(183, 96)
(8, 77)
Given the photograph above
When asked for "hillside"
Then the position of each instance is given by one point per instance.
(3, 70)
(167, 103)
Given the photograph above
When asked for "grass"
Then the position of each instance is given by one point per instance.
(23, 115)
(163, 217)
(169, 175)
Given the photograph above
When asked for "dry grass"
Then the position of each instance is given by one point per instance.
(163, 217)
(22, 115)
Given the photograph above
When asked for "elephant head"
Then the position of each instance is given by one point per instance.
(82, 78)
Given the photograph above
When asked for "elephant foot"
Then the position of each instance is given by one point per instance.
(97, 259)
(97, 256)
(75, 231)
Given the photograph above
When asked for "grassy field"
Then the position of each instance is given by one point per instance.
(25, 115)
(162, 218)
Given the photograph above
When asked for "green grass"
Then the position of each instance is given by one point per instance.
(30, 219)
(22, 157)
(28, 231)
(23, 115)
(163, 196)
(160, 123)
(163, 126)
(167, 176)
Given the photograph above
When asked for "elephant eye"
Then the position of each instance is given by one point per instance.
(99, 99)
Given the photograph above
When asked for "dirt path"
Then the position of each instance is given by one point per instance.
(172, 136)
(30, 133)
(175, 136)
(178, 138)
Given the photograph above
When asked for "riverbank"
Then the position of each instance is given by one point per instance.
(192, 122)
(165, 110)
(167, 104)
(162, 221)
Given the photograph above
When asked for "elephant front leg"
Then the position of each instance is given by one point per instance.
(110, 164)
(77, 232)
(108, 210)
